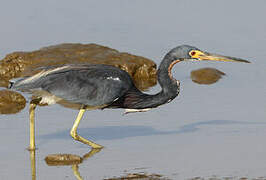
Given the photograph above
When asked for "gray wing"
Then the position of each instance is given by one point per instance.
(93, 85)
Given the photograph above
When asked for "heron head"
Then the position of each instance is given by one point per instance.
(186, 52)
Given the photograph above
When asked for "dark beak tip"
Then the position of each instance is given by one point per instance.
(244, 61)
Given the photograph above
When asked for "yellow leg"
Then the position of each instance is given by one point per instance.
(90, 154)
(33, 164)
(75, 135)
(32, 126)
(75, 169)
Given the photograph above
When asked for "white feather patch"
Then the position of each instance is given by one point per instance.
(40, 74)
(113, 78)
(136, 110)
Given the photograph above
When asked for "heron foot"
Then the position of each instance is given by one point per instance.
(75, 136)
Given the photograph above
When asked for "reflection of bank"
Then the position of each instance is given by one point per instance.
(62, 160)
(33, 164)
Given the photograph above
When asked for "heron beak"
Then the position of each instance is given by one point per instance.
(215, 57)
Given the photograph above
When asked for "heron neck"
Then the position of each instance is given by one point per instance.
(168, 84)
(170, 89)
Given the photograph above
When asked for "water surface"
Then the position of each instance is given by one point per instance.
(216, 129)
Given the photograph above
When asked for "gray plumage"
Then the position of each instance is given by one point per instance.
(87, 84)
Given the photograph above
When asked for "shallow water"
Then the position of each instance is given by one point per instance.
(208, 130)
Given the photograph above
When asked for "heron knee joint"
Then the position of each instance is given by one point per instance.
(74, 134)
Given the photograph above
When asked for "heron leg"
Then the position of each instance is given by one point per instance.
(33, 164)
(32, 126)
(75, 135)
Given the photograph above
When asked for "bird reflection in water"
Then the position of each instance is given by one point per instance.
(62, 160)
(33, 164)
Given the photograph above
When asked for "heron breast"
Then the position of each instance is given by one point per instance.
(46, 98)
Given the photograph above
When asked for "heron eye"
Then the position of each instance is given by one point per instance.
(193, 53)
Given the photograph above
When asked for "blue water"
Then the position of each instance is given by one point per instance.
(208, 130)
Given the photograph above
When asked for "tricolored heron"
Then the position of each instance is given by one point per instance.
(97, 86)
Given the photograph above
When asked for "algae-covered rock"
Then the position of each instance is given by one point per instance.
(11, 102)
(206, 75)
(62, 159)
(141, 69)
(68, 159)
